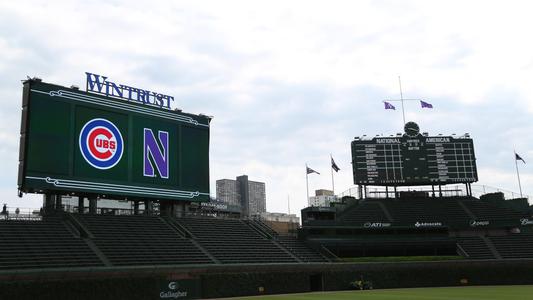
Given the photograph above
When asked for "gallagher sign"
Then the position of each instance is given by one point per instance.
(75, 142)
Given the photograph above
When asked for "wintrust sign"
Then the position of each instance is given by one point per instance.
(100, 85)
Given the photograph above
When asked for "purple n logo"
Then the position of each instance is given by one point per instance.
(158, 154)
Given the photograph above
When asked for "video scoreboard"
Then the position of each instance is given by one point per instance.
(79, 143)
(413, 159)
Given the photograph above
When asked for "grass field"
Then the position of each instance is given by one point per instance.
(516, 292)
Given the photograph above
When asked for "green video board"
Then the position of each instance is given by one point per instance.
(413, 159)
(74, 142)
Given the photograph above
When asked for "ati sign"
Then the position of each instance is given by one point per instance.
(102, 145)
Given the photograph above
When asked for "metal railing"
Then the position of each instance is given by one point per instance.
(456, 190)
(20, 213)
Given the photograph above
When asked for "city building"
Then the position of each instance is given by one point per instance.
(249, 195)
(322, 198)
(280, 222)
(228, 192)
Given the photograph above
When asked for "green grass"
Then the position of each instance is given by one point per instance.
(400, 258)
(516, 292)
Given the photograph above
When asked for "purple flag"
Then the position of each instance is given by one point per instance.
(425, 104)
(389, 106)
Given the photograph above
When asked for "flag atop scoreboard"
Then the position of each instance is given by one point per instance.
(413, 159)
(81, 143)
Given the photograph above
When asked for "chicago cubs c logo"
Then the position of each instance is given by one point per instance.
(101, 143)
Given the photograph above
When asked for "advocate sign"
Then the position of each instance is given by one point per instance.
(78, 143)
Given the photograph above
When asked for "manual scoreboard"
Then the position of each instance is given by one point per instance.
(413, 159)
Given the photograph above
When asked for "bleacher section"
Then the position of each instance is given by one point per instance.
(368, 211)
(42, 244)
(233, 241)
(408, 226)
(514, 245)
(445, 210)
(454, 212)
(372, 227)
(300, 249)
(391, 246)
(141, 240)
(488, 211)
(475, 247)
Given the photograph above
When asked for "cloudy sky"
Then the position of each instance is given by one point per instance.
(289, 82)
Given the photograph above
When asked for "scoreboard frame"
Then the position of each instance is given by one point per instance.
(78, 143)
(413, 159)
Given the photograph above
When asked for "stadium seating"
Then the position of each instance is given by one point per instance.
(43, 243)
(445, 210)
(233, 241)
(300, 249)
(368, 245)
(514, 245)
(488, 211)
(262, 226)
(367, 211)
(475, 247)
(141, 240)
(404, 212)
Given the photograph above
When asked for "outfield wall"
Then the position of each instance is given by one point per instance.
(189, 282)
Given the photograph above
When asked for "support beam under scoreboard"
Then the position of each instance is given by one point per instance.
(81, 204)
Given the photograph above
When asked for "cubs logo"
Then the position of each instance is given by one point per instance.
(101, 144)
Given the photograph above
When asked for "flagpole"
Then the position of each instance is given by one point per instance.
(332, 181)
(307, 183)
(289, 202)
(401, 97)
(518, 175)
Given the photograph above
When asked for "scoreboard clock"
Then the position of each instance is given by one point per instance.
(413, 159)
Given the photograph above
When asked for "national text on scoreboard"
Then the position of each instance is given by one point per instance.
(78, 143)
(413, 159)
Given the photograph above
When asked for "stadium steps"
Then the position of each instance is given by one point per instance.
(80, 231)
(254, 224)
(141, 240)
(295, 247)
(300, 249)
(475, 247)
(467, 211)
(386, 211)
(233, 241)
(214, 259)
(263, 227)
(177, 226)
(491, 246)
(98, 253)
(186, 233)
